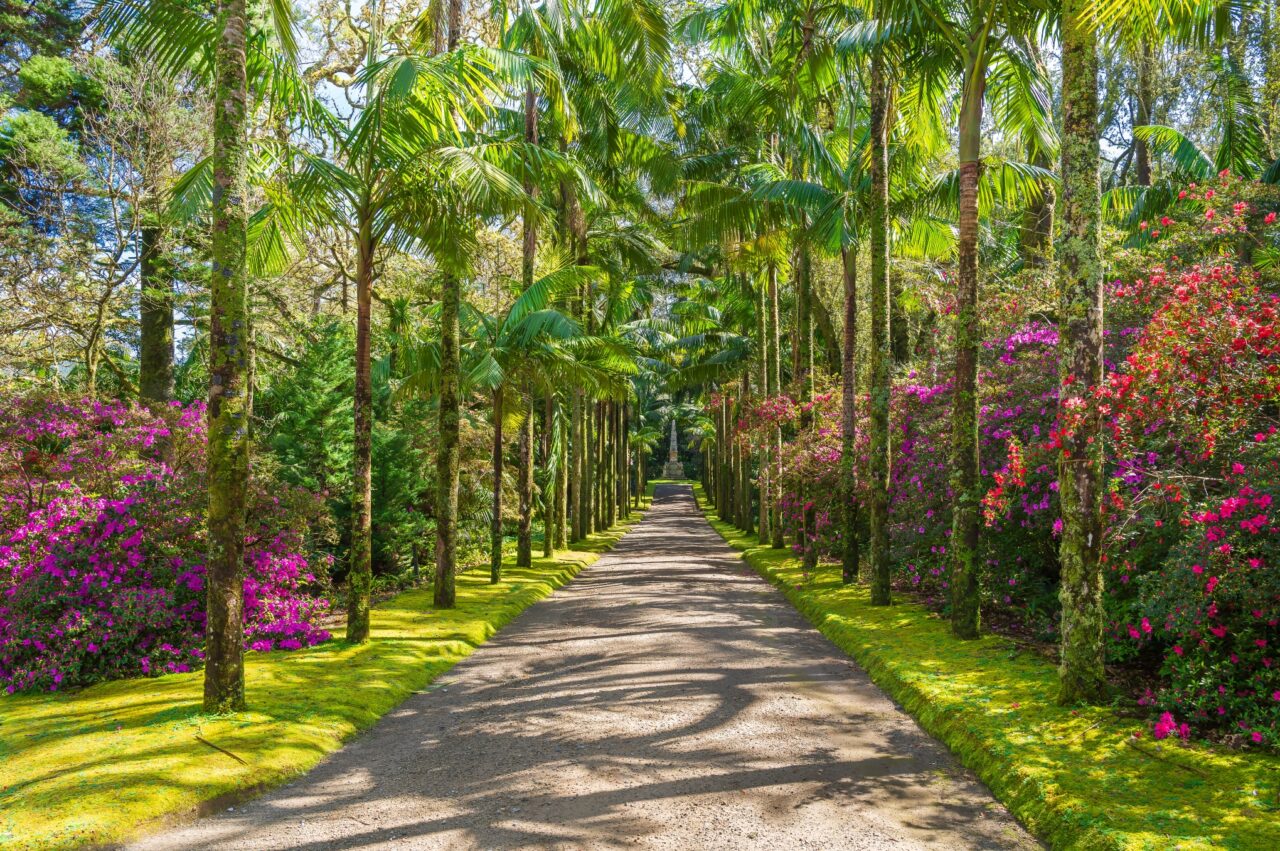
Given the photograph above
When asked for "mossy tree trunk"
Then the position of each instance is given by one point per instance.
(1081, 675)
(562, 492)
(524, 532)
(880, 348)
(528, 262)
(155, 325)
(450, 416)
(773, 387)
(495, 522)
(360, 575)
(849, 419)
(230, 393)
(762, 384)
(965, 481)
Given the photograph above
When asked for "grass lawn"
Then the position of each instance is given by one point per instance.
(92, 766)
(1076, 778)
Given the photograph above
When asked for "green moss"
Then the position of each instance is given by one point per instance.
(1072, 776)
(90, 766)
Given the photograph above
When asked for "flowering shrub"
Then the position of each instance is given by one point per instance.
(1191, 410)
(101, 558)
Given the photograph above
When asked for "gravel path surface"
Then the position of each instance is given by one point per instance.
(667, 698)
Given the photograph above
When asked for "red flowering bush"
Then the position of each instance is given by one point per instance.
(102, 549)
(1191, 411)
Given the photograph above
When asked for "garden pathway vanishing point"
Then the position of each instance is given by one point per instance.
(667, 698)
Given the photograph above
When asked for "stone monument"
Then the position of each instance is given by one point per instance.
(673, 469)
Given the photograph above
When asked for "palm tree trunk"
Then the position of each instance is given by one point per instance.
(762, 306)
(611, 463)
(524, 534)
(849, 419)
(360, 576)
(1142, 115)
(774, 387)
(528, 259)
(965, 482)
(450, 417)
(576, 443)
(230, 396)
(495, 522)
(881, 353)
(562, 492)
(588, 469)
(1082, 675)
(155, 325)
(548, 494)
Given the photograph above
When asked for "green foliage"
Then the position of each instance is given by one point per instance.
(307, 426)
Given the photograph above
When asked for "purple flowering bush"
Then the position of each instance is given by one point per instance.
(1191, 418)
(102, 543)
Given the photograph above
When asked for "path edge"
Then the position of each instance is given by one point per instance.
(568, 565)
(1039, 809)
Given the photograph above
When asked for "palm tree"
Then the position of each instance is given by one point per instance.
(982, 43)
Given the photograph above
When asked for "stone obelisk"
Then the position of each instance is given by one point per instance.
(673, 469)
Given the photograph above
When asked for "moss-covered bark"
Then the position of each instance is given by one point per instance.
(849, 420)
(360, 574)
(762, 379)
(524, 486)
(773, 388)
(965, 481)
(447, 450)
(1080, 482)
(881, 353)
(155, 318)
(495, 522)
(230, 394)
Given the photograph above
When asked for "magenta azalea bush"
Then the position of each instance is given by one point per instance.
(103, 540)
(1191, 410)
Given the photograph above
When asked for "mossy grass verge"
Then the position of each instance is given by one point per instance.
(1075, 777)
(110, 761)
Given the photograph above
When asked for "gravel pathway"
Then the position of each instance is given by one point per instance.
(667, 698)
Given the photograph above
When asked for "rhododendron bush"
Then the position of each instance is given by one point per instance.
(102, 544)
(1191, 412)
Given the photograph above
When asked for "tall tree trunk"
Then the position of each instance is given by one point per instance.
(1146, 68)
(528, 260)
(1081, 675)
(774, 388)
(548, 493)
(762, 324)
(155, 326)
(1270, 41)
(588, 468)
(965, 482)
(575, 446)
(360, 576)
(562, 491)
(495, 522)
(447, 448)
(524, 533)
(849, 419)
(881, 351)
(230, 395)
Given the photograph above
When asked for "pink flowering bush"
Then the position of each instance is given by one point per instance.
(1191, 415)
(102, 546)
